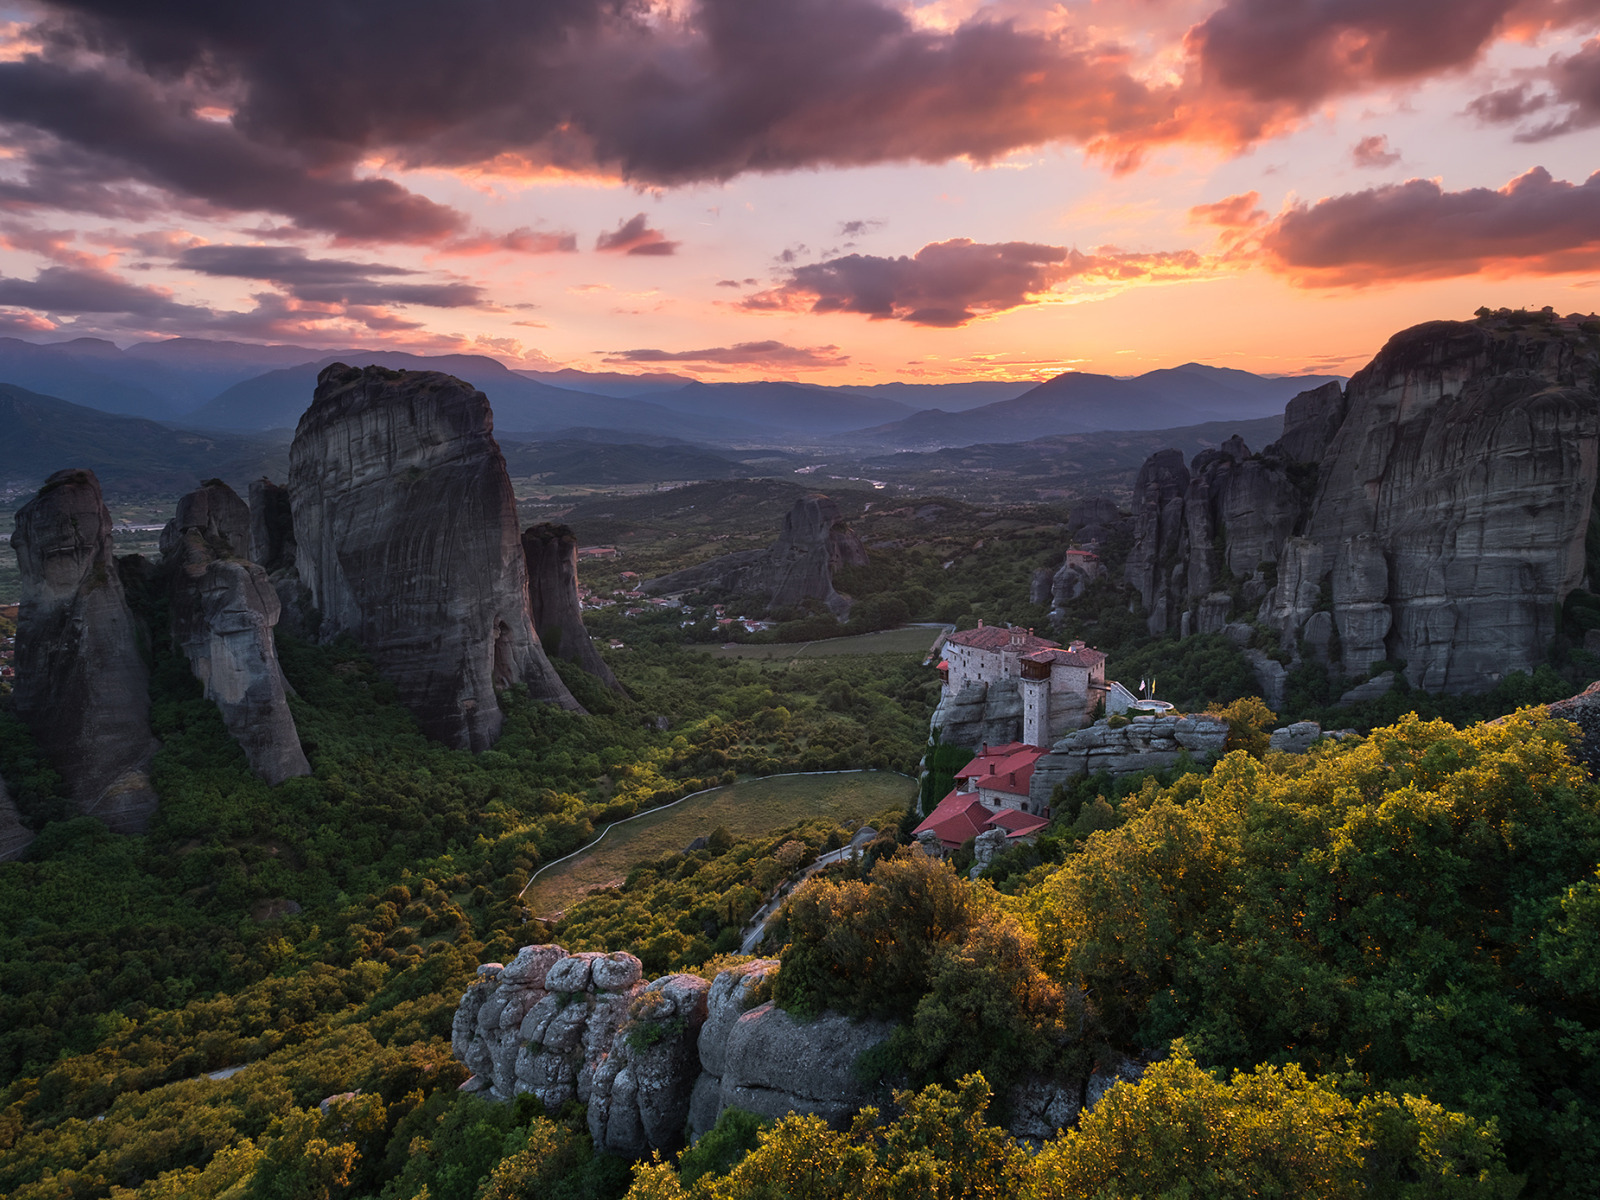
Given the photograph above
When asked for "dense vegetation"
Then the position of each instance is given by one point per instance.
(1370, 970)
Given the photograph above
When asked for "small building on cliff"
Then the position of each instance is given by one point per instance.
(991, 792)
(1060, 687)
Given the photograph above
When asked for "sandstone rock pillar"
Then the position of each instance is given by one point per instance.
(406, 535)
(82, 686)
(552, 556)
(223, 613)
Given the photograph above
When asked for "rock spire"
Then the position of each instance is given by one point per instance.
(223, 613)
(552, 557)
(82, 686)
(406, 536)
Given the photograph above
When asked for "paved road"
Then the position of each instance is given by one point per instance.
(757, 929)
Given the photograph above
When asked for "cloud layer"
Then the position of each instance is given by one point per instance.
(947, 284)
(1535, 224)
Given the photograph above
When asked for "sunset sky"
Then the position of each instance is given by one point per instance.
(832, 190)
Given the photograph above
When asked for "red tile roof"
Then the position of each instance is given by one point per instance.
(1088, 659)
(999, 637)
(1017, 824)
(961, 815)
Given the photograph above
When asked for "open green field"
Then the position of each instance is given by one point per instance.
(748, 809)
(909, 640)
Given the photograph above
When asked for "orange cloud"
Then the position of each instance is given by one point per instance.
(1416, 230)
(951, 283)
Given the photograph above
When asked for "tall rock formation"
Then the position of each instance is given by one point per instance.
(551, 552)
(1434, 511)
(223, 613)
(814, 542)
(406, 536)
(15, 837)
(82, 686)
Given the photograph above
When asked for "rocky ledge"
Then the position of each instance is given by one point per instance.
(1146, 743)
(655, 1061)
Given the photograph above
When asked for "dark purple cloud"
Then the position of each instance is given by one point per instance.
(77, 291)
(744, 354)
(950, 283)
(325, 280)
(1374, 151)
(634, 236)
(1417, 230)
(1572, 97)
(1298, 52)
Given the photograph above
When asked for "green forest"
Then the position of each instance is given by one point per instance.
(1373, 969)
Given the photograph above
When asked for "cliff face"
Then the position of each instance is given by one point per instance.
(82, 686)
(1433, 511)
(567, 1027)
(551, 552)
(1454, 498)
(813, 543)
(223, 613)
(15, 837)
(406, 536)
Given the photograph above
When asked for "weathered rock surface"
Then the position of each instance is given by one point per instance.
(1148, 743)
(551, 552)
(1381, 685)
(980, 714)
(15, 837)
(650, 1059)
(815, 541)
(223, 612)
(406, 535)
(1433, 511)
(82, 686)
(1584, 710)
(1296, 738)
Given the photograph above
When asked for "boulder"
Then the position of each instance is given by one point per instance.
(82, 686)
(1106, 1076)
(551, 552)
(1147, 743)
(814, 542)
(1382, 685)
(223, 612)
(1584, 710)
(406, 536)
(985, 847)
(774, 1064)
(1296, 738)
(1041, 1107)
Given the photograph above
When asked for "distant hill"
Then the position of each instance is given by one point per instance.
(1079, 402)
(783, 407)
(160, 380)
(609, 383)
(951, 397)
(276, 399)
(133, 457)
(601, 463)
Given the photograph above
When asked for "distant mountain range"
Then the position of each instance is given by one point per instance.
(1083, 403)
(132, 457)
(240, 387)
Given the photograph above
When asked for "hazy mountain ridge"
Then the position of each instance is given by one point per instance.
(240, 387)
(131, 455)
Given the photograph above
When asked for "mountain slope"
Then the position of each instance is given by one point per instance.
(133, 457)
(1079, 402)
(276, 399)
(785, 407)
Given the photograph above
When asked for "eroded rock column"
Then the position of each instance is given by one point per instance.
(223, 612)
(82, 686)
(406, 535)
